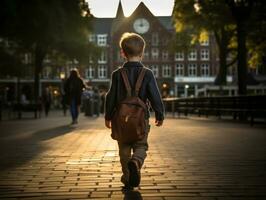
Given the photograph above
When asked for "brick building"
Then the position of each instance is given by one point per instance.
(178, 73)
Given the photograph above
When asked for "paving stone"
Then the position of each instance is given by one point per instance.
(187, 159)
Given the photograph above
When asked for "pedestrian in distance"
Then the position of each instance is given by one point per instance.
(47, 100)
(126, 111)
(74, 86)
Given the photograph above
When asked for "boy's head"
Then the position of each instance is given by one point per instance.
(132, 45)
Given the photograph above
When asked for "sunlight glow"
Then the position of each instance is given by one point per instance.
(108, 8)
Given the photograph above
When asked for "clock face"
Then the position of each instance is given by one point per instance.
(141, 25)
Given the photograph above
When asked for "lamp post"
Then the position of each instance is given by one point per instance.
(241, 10)
(62, 75)
(186, 90)
(63, 95)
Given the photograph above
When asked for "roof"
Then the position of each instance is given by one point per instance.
(102, 25)
(166, 21)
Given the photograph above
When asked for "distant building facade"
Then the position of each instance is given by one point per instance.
(177, 73)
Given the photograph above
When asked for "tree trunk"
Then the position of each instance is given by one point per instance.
(222, 61)
(241, 57)
(39, 57)
(222, 45)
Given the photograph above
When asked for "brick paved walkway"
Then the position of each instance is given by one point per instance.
(195, 159)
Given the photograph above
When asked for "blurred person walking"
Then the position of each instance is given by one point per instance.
(47, 100)
(73, 87)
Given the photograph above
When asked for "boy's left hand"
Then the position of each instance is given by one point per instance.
(108, 123)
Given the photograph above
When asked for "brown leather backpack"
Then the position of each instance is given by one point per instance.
(128, 123)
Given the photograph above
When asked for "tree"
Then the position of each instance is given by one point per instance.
(41, 26)
(241, 11)
(256, 38)
(194, 19)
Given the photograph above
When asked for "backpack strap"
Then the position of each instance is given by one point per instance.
(126, 81)
(139, 81)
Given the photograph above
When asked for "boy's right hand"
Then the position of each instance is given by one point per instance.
(158, 123)
(108, 123)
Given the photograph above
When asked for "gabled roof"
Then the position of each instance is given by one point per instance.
(120, 12)
(166, 21)
(106, 25)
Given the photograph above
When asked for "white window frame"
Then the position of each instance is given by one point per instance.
(103, 58)
(192, 55)
(92, 38)
(165, 55)
(192, 69)
(90, 72)
(205, 54)
(154, 53)
(205, 42)
(155, 39)
(167, 71)
(179, 56)
(146, 55)
(179, 69)
(205, 69)
(102, 40)
(155, 70)
(46, 73)
(102, 71)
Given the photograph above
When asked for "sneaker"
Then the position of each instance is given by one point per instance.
(134, 173)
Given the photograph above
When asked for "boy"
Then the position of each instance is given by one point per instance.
(132, 47)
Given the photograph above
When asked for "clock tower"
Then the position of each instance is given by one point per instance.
(156, 35)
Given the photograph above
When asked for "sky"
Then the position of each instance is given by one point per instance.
(108, 8)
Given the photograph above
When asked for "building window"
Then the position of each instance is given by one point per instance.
(205, 70)
(155, 70)
(192, 55)
(179, 69)
(103, 57)
(91, 38)
(90, 72)
(166, 71)
(27, 58)
(155, 39)
(179, 56)
(46, 72)
(102, 71)
(192, 69)
(154, 53)
(205, 42)
(165, 55)
(204, 54)
(146, 55)
(90, 59)
(102, 39)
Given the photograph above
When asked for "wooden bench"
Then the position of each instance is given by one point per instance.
(35, 108)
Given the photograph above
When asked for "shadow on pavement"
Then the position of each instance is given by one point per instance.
(52, 133)
(15, 151)
(132, 195)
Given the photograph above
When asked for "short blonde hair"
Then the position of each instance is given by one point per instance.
(132, 44)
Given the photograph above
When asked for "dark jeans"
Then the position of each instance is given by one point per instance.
(74, 110)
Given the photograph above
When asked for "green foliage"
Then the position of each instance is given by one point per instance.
(51, 25)
(195, 20)
(11, 63)
(257, 35)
